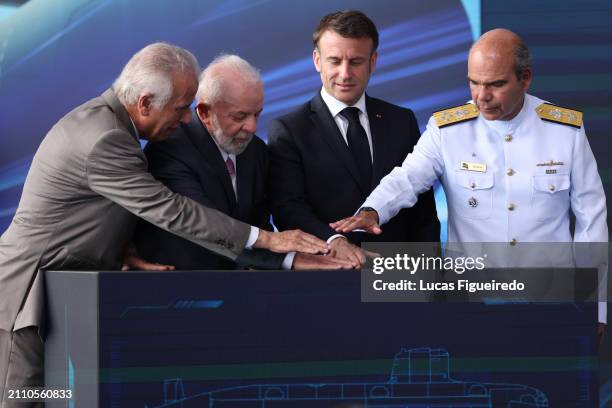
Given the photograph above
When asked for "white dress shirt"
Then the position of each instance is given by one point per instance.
(335, 107)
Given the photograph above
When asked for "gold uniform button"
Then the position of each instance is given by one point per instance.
(508, 138)
(551, 187)
(510, 172)
(472, 185)
(513, 241)
(511, 207)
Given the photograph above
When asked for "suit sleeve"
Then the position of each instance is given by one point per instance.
(260, 259)
(117, 170)
(175, 173)
(290, 209)
(419, 171)
(424, 225)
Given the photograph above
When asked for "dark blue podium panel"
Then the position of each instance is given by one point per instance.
(305, 339)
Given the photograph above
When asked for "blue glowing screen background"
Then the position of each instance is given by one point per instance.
(55, 55)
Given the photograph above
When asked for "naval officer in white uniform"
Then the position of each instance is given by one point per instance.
(512, 165)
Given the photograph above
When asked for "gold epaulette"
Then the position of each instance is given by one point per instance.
(557, 114)
(455, 115)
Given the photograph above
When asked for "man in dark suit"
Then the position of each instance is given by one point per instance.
(326, 157)
(217, 160)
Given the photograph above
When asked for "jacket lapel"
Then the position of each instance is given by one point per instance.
(244, 181)
(379, 128)
(326, 127)
(212, 159)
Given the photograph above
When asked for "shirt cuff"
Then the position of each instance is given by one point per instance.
(253, 235)
(330, 239)
(602, 312)
(288, 261)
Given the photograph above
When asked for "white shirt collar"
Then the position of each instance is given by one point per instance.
(335, 106)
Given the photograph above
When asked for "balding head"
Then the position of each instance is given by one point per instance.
(503, 43)
(499, 74)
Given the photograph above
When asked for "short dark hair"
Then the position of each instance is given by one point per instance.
(349, 24)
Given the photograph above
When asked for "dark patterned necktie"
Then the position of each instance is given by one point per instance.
(358, 143)
(231, 169)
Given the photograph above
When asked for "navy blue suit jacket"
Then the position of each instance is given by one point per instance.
(314, 178)
(190, 163)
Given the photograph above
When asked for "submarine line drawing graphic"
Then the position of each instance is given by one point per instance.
(419, 379)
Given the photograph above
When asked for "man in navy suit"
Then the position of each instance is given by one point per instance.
(218, 161)
(326, 157)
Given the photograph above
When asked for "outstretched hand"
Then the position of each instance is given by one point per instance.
(343, 249)
(131, 261)
(293, 240)
(365, 220)
(321, 262)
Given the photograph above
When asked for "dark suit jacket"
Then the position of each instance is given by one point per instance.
(314, 179)
(190, 163)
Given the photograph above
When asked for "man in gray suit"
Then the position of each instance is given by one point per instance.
(87, 183)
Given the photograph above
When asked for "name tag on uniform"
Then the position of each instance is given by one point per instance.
(550, 163)
(480, 167)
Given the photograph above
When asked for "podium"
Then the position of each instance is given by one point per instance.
(304, 339)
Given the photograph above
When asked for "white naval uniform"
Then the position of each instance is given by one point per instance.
(512, 199)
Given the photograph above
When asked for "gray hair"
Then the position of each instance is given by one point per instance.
(213, 78)
(522, 59)
(150, 70)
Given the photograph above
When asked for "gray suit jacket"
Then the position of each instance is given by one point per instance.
(86, 184)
